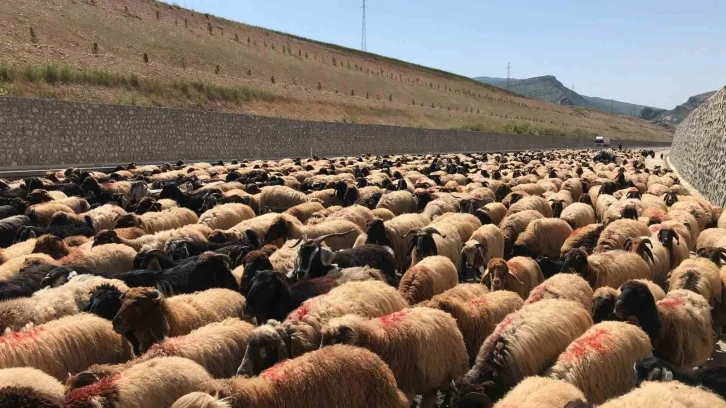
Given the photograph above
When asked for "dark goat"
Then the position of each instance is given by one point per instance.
(61, 231)
(192, 201)
(603, 307)
(154, 260)
(314, 261)
(105, 301)
(376, 233)
(178, 249)
(10, 227)
(657, 369)
(270, 296)
(549, 266)
(25, 283)
(7, 211)
(210, 270)
(254, 261)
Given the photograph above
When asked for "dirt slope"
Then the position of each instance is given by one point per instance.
(205, 62)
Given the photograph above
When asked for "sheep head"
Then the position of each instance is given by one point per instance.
(38, 196)
(128, 221)
(343, 330)
(670, 198)
(280, 229)
(653, 369)
(641, 246)
(268, 290)
(376, 232)
(497, 273)
(575, 261)
(105, 301)
(142, 315)
(666, 237)
(106, 237)
(51, 245)
(212, 270)
(312, 258)
(715, 255)
(557, 207)
(474, 254)
(636, 305)
(483, 215)
(423, 241)
(267, 345)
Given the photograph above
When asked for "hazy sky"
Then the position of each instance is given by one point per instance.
(655, 53)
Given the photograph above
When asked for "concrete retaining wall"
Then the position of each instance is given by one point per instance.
(46, 133)
(699, 148)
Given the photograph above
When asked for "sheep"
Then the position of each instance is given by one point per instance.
(699, 275)
(106, 260)
(519, 274)
(462, 292)
(334, 229)
(677, 248)
(578, 215)
(612, 268)
(12, 267)
(390, 234)
(600, 361)
(193, 232)
(476, 317)
(154, 222)
(670, 394)
(563, 286)
(68, 344)
(492, 213)
(260, 225)
(383, 213)
(617, 232)
(525, 343)
(710, 238)
(441, 239)
(542, 237)
(697, 210)
(432, 276)
(304, 211)
(218, 347)
(679, 326)
(301, 331)
(535, 203)
(650, 249)
(466, 224)
(25, 283)
(604, 298)
(174, 316)
(585, 237)
(41, 214)
(513, 225)
(51, 303)
(157, 382)
(9, 228)
(305, 383)
(439, 207)
(485, 243)
(656, 369)
(398, 202)
(225, 216)
(429, 337)
(540, 392)
(574, 187)
(25, 387)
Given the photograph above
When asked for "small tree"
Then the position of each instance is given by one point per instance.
(186, 23)
(334, 61)
(33, 37)
(390, 98)
(272, 46)
(366, 95)
(158, 16)
(352, 92)
(273, 79)
(320, 86)
(216, 71)
(210, 28)
(283, 49)
(299, 53)
(94, 48)
(306, 55)
(236, 37)
(249, 72)
(248, 40)
(146, 58)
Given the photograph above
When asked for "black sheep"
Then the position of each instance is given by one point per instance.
(10, 227)
(25, 283)
(8, 211)
(236, 250)
(192, 201)
(657, 369)
(59, 275)
(271, 297)
(86, 229)
(105, 301)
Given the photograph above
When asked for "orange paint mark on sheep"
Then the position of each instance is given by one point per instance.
(477, 302)
(89, 391)
(592, 343)
(504, 325)
(575, 232)
(536, 294)
(276, 373)
(393, 318)
(299, 313)
(672, 302)
(22, 336)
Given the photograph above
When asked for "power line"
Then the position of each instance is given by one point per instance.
(363, 45)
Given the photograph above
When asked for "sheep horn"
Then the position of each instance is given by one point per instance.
(675, 235)
(412, 230)
(432, 231)
(298, 242)
(644, 248)
(515, 277)
(629, 244)
(318, 240)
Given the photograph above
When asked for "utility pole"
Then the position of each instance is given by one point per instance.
(509, 67)
(363, 45)
(612, 108)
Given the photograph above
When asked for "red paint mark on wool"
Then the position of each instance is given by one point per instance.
(655, 228)
(276, 373)
(299, 313)
(577, 231)
(22, 336)
(514, 266)
(393, 318)
(672, 302)
(504, 325)
(477, 302)
(592, 343)
(89, 391)
(536, 294)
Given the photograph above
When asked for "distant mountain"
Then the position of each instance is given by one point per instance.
(548, 88)
(676, 116)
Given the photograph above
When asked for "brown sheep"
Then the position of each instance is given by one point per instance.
(432, 276)
(519, 275)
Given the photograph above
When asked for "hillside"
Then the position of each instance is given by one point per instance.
(139, 52)
(548, 88)
(680, 112)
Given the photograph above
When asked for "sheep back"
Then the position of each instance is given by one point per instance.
(540, 392)
(544, 237)
(686, 334)
(670, 393)
(616, 232)
(563, 286)
(613, 268)
(698, 275)
(226, 216)
(430, 277)
(44, 388)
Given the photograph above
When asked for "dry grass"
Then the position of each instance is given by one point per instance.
(189, 67)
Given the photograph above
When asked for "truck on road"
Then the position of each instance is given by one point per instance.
(601, 142)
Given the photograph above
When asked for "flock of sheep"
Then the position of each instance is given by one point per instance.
(528, 279)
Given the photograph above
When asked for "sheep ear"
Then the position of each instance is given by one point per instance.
(89, 221)
(326, 256)
(32, 234)
(154, 265)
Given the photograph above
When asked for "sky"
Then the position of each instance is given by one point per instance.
(655, 53)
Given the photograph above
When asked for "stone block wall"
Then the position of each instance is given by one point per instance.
(699, 148)
(38, 133)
